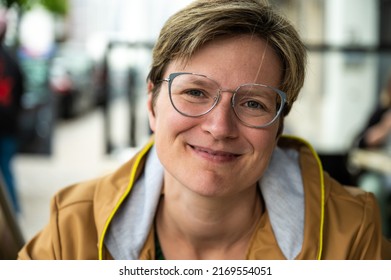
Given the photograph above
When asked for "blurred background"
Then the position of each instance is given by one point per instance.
(85, 64)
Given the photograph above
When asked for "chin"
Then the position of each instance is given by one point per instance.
(209, 189)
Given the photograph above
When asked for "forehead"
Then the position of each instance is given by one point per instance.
(232, 61)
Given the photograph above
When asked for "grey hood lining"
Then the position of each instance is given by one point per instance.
(281, 187)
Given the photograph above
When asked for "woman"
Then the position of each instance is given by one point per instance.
(217, 180)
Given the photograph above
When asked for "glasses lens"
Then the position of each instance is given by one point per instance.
(257, 105)
(193, 95)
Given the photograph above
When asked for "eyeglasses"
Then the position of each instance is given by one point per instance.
(195, 95)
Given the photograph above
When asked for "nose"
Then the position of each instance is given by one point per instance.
(221, 122)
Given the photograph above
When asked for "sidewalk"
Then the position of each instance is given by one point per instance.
(78, 154)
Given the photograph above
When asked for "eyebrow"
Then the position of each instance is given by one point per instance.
(197, 81)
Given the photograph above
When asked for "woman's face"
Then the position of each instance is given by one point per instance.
(216, 155)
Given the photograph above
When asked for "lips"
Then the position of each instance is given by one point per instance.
(214, 154)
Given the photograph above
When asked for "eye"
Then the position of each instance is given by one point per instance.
(256, 100)
(194, 93)
(253, 104)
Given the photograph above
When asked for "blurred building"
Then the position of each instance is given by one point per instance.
(343, 73)
(349, 45)
(349, 58)
(119, 35)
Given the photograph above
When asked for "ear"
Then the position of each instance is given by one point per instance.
(150, 106)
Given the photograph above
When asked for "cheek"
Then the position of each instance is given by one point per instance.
(166, 120)
(158, 111)
(264, 141)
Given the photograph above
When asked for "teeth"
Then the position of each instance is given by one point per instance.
(220, 154)
(216, 153)
(213, 153)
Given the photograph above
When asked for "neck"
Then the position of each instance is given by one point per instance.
(207, 227)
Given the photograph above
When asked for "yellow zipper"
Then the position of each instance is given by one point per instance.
(322, 203)
(129, 188)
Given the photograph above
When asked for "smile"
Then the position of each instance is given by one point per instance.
(220, 156)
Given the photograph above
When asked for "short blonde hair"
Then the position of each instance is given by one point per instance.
(204, 20)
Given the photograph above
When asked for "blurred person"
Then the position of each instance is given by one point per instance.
(217, 180)
(11, 91)
(376, 136)
(103, 96)
(377, 132)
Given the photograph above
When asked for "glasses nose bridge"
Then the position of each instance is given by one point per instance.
(221, 90)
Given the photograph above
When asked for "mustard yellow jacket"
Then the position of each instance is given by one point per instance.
(339, 222)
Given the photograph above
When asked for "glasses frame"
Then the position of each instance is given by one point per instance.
(282, 95)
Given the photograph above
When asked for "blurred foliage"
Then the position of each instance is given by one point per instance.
(10, 3)
(58, 7)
